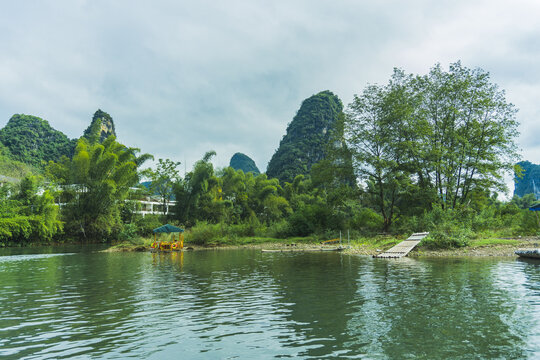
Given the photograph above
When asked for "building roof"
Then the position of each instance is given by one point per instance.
(167, 228)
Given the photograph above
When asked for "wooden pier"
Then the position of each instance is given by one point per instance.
(404, 247)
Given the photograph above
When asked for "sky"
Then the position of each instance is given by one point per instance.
(181, 78)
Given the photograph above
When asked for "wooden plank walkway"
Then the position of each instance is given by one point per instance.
(404, 247)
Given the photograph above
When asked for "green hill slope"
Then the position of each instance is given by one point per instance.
(32, 140)
(243, 162)
(307, 137)
(106, 125)
(530, 182)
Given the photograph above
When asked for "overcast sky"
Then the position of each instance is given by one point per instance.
(180, 78)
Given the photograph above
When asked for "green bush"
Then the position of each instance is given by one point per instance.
(367, 220)
(146, 224)
(300, 225)
(128, 233)
(204, 233)
(15, 230)
(440, 239)
(278, 230)
(529, 223)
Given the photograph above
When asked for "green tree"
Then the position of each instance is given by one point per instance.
(446, 137)
(228, 196)
(162, 180)
(197, 191)
(234, 185)
(265, 199)
(95, 183)
(524, 202)
(472, 131)
(371, 125)
(26, 215)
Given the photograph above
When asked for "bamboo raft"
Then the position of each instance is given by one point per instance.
(404, 247)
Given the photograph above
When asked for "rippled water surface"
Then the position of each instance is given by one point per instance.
(246, 304)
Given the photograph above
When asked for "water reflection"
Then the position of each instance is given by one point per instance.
(248, 304)
(443, 308)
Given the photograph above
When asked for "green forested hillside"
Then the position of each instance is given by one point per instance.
(105, 122)
(307, 137)
(243, 162)
(32, 140)
(529, 181)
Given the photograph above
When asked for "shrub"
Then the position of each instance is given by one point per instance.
(300, 225)
(529, 223)
(204, 233)
(128, 233)
(279, 230)
(441, 239)
(367, 220)
(146, 224)
(15, 230)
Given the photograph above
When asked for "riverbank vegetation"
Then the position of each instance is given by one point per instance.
(420, 153)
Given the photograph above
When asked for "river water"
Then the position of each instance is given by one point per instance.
(244, 304)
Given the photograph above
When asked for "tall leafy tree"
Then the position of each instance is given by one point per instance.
(235, 185)
(472, 131)
(95, 183)
(162, 180)
(370, 137)
(228, 196)
(265, 198)
(441, 137)
(196, 192)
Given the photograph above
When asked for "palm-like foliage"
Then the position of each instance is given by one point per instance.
(95, 183)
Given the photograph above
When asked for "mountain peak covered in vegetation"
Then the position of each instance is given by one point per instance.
(307, 137)
(32, 140)
(529, 182)
(243, 162)
(106, 125)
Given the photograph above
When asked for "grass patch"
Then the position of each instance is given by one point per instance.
(493, 242)
(376, 242)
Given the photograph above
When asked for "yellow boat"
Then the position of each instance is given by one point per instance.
(166, 245)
